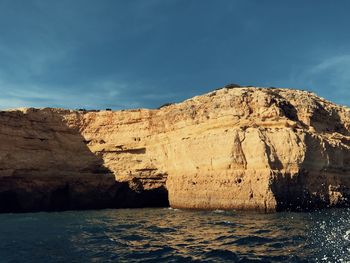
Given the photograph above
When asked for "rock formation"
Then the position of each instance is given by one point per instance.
(234, 148)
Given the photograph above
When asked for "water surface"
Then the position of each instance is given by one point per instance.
(170, 235)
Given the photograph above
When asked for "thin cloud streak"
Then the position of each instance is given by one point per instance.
(34, 95)
(329, 77)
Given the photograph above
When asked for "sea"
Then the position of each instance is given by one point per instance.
(172, 235)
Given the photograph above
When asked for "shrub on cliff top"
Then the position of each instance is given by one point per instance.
(165, 105)
(232, 86)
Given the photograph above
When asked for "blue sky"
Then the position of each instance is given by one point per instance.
(119, 54)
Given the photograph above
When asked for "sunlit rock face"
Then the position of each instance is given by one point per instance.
(238, 148)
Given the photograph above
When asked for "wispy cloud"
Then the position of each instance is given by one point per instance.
(336, 62)
(328, 76)
(99, 94)
(80, 55)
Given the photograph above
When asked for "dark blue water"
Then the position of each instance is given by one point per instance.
(167, 235)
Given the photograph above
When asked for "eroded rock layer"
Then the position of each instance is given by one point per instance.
(241, 148)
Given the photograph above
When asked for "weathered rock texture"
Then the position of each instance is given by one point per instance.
(241, 148)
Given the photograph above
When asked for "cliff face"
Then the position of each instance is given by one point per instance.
(46, 164)
(242, 148)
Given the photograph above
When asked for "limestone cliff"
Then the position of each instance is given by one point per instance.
(241, 148)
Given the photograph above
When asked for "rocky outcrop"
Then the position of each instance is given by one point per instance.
(233, 148)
